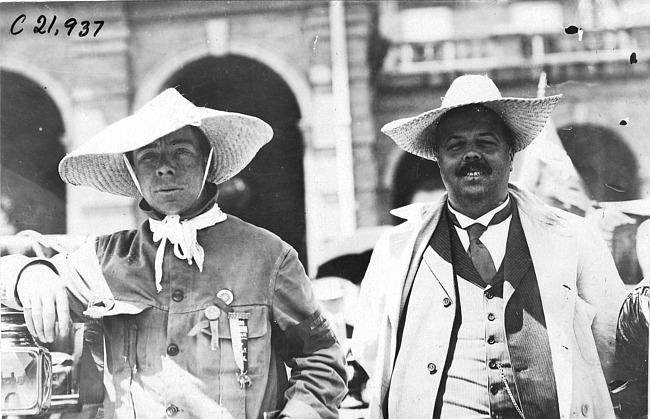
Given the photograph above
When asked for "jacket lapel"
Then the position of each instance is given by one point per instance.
(442, 270)
(549, 244)
(517, 260)
(437, 257)
(422, 222)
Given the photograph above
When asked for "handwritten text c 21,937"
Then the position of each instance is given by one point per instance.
(45, 25)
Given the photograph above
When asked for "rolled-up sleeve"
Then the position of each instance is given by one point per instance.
(10, 269)
(82, 276)
(318, 377)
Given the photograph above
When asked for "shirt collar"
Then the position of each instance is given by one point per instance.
(465, 221)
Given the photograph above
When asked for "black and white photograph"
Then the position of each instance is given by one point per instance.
(303, 209)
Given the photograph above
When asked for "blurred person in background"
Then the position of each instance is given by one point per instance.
(630, 393)
(201, 310)
(589, 170)
(336, 287)
(487, 302)
(416, 180)
(548, 171)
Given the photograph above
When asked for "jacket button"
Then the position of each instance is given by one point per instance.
(491, 317)
(585, 409)
(178, 296)
(491, 340)
(446, 302)
(172, 350)
(432, 368)
(494, 389)
(171, 410)
(493, 365)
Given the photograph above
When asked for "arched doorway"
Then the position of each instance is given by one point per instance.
(33, 197)
(270, 191)
(605, 162)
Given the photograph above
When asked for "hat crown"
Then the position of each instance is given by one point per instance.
(470, 89)
(169, 104)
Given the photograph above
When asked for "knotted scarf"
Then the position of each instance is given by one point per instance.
(182, 234)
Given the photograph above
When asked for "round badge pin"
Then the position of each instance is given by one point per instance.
(225, 296)
(212, 313)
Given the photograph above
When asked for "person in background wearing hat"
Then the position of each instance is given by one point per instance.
(486, 303)
(201, 310)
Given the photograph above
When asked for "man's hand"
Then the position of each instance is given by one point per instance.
(44, 298)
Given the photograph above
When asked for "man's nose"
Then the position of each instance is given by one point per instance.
(471, 154)
(165, 167)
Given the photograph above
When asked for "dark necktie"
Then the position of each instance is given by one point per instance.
(479, 254)
(477, 251)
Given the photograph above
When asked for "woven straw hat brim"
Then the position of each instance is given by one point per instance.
(525, 118)
(99, 164)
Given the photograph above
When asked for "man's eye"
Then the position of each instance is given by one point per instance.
(488, 144)
(146, 156)
(182, 151)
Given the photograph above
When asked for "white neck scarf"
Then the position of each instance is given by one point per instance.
(182, 234)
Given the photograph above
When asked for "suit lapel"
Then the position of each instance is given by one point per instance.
(549, 245)
(426, 229)
(442, 270)
(402, 244)
(517, 260)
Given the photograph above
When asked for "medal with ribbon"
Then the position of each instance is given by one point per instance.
(239, 335)
(210, 325)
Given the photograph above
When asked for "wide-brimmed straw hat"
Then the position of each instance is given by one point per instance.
(524, 117)
(99, 162)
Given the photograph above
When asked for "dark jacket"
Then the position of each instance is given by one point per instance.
(155, 366)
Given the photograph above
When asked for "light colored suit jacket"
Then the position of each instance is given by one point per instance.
(580, 289)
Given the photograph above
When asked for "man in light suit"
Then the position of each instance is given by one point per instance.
(486, 303)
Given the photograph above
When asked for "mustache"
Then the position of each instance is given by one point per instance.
(476, 166)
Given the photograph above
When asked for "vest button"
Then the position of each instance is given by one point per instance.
(171, 410)
(493, 365)
(494, 389)
(446, 302)
(491, 317)
(491, 340)
(178, 296)
(489, 295)
(432, 368)
(172, 350)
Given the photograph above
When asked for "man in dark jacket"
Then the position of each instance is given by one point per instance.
(201, 310)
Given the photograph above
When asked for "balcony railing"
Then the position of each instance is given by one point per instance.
(516, 51)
